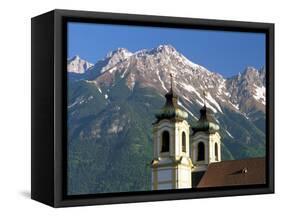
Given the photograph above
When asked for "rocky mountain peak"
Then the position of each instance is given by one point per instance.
(250, 71)
(164, 48)
(78, 65)
(151, 68)
(253, 76)
(121, 53)
(76, 57)
(114, 57)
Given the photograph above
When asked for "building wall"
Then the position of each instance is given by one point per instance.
(172, 169)
(209, 141)
(171, 177)
(175, 130)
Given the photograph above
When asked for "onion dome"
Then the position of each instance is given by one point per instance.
(207, 122)
(171, 110)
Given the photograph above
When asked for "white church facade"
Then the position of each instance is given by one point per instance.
(182, 153)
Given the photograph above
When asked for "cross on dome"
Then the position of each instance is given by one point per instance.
(204, 95)
(171, 76)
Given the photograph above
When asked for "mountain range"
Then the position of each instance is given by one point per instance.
(112, 103)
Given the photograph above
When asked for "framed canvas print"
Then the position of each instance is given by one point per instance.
(131, 108)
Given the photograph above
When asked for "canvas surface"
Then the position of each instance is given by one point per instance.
(117, 80)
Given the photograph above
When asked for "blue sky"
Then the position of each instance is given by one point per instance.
(224, 52)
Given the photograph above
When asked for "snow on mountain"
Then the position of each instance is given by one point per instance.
(259, 94)
(112, 62)
(213, 101)
(151, 68)
(115, 57)
(247, 90)
(78, 65)
(228, 133)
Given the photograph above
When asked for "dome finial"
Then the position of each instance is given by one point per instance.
(171, 75)
(204, 95)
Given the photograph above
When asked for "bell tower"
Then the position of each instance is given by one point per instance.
(205, 141)
(171, 165)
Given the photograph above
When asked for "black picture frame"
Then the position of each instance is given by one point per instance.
(48, 108)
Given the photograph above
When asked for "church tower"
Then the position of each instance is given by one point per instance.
(205, 141)
(171, 164)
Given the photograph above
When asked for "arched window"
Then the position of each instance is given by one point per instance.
(165, 141)
(183, 142)
(201, 151)
(216, 151)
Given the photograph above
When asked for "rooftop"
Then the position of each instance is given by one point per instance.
(234, 172)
